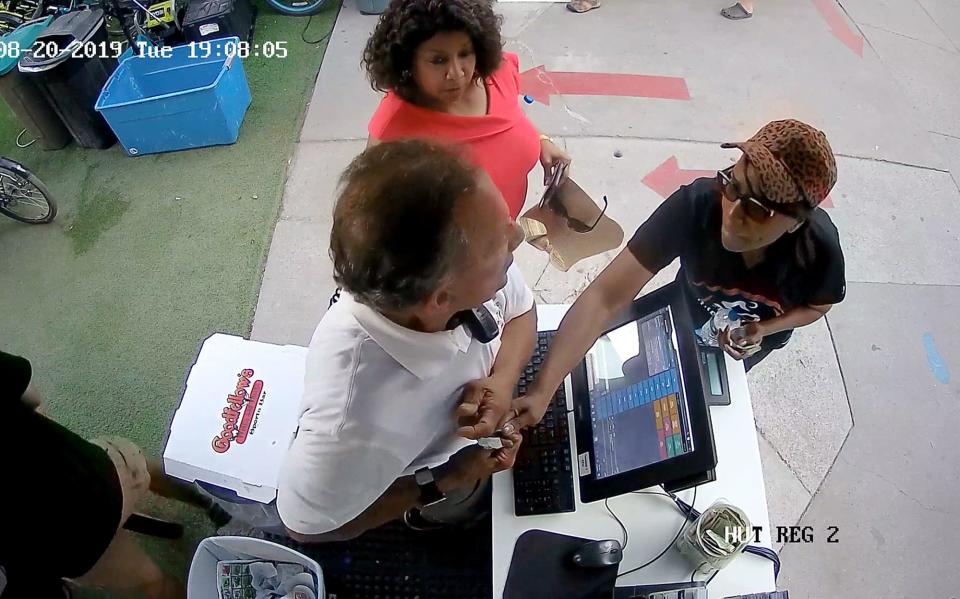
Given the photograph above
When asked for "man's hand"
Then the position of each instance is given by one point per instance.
(483, 405)
(742, 342)
(527, 411)
(475, 463)
(32, 398)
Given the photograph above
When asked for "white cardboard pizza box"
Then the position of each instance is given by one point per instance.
(237, 416)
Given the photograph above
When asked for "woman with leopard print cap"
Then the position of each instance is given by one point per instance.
(751, 241)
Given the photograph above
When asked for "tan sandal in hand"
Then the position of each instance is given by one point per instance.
(550, 232)
(581, 6)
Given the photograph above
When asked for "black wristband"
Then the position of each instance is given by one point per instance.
(430, 493)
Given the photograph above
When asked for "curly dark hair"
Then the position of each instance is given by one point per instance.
(395, 236)
(388, 57)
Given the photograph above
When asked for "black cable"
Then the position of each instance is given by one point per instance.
(770, 554)
(691, 512)
(677, 536)
(763, 552)
(626, 535)
(694, 575)
(303, 34)
(688, 510)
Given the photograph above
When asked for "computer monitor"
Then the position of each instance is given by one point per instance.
(638, 408)
(641, 415)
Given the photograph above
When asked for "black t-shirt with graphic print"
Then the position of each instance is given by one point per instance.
(799, 269)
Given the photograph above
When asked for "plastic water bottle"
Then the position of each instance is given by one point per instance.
(723, 318)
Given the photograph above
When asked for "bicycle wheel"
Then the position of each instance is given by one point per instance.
(23, 196)
(298, 8)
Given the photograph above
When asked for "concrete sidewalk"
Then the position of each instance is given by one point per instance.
(856, 418)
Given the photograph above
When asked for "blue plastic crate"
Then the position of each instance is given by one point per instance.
(163, 104)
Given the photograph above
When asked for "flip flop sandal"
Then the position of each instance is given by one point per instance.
(736, 12)
(582, 6)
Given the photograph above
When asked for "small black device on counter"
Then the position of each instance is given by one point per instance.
(713, 374)
(213, 19)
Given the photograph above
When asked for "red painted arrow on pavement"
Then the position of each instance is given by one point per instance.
(839, 26)
(540, 84)
(668, 177)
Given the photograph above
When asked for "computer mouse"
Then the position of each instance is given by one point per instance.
(598, 554)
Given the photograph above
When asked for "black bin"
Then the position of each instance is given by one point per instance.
(24, 98)
(71, 83)
(214, 19)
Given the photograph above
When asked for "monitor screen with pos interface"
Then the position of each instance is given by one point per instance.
(641, 414)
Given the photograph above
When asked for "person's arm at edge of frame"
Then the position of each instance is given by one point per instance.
(607, 296)
(399, 497)
(518, 339)
(32, 398)
(463, 469)
(550, 155)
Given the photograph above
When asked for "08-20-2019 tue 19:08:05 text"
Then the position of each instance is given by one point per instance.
(43, 50)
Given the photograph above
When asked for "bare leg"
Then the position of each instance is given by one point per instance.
(172, 488)
(748, 5)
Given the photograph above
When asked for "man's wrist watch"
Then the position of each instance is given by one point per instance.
(430, 493)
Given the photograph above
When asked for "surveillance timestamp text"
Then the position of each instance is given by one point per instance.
(50, 49)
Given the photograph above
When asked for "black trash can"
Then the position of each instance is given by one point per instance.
(24, 98)
(214, 19)
(69, 79)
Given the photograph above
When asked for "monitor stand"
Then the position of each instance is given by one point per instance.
(691, 481)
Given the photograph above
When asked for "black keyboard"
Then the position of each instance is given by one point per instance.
(395, 562)
(543, 472)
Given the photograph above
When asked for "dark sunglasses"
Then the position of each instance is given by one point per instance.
(756, 209)
(551, 202)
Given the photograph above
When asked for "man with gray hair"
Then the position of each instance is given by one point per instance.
(431, 332)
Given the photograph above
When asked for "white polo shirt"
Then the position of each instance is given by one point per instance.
(379, 402)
